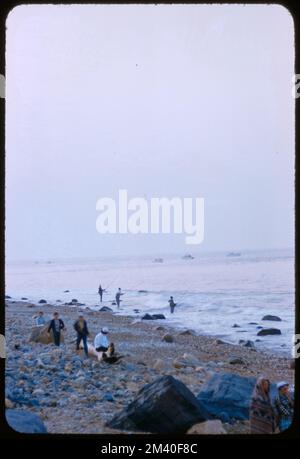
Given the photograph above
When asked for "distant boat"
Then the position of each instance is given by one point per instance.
(234, 254)
(188, 256)
(158, 260)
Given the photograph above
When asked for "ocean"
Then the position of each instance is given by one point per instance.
(213, 291)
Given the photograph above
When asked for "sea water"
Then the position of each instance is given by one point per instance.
(213, 291)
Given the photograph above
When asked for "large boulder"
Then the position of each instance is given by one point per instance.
(269, 331)
(164, 406)
(227, 396)
(24, 421)
(271, 318)
(40, 335)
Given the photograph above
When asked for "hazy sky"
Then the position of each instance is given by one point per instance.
(179, 100)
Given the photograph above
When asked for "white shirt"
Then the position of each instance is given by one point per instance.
(101, 340)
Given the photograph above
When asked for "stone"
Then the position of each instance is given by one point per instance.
(247, 343)
(74, 300)
(158, 316)
(108, 397)
(9, 403)
(7, 297)
(159, 365)
(105, 309)
(213, 427)
(187, 333)
(269, 331)
(24, 422)
(40, 335)
(227, 396)
(236, 361)
(24, 299)
(38, 392)
(147, 317)
(42, 302)
(219, 341)
(236, 326)
(168, 338)
(67, 291)
(271, 318)
(164, 406)
(160, 328)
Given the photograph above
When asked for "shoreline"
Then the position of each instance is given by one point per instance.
(81, 395)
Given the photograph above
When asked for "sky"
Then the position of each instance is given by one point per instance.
(163, 101)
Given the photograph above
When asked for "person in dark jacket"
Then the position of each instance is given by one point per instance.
(100, 291)
(56, 325)
(82, 333)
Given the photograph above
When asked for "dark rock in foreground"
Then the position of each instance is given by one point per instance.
(272, 318)
(269, 331)
(42, 302)
(24, 421)
(227, 396)
(105, 309)
(164, 406)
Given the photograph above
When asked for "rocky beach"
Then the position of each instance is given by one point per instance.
(72, 394)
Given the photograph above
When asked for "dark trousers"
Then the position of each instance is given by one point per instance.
(172, 309)
(100, 297)
(56, 337)
(101, 349)
(84, 340)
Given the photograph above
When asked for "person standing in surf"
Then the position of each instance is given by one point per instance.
(118, 297)
(100, 291)
(172, 304)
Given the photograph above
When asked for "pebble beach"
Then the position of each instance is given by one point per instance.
(72, 394)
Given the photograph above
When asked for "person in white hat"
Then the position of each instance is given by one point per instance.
(101, 341)
(284, 406)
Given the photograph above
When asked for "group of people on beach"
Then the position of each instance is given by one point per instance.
(265, 415)
(103, 348)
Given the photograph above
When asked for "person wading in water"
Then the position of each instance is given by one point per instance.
(172, 304)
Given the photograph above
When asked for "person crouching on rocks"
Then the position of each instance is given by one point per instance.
(262, 416)
(81, 329)
(284, 406)
(101, 342)
(56, 325)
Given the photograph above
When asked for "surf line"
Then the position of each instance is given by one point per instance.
(155, 216)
